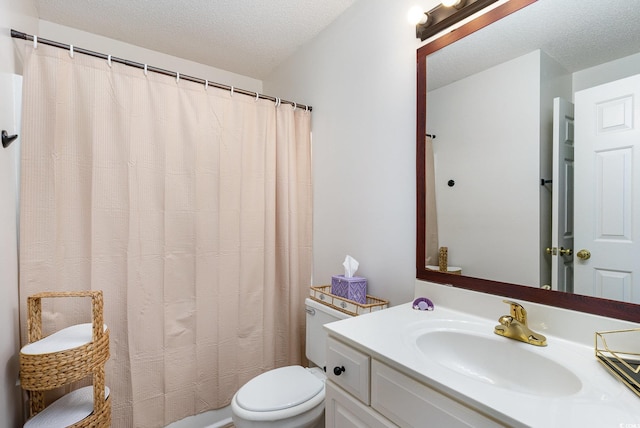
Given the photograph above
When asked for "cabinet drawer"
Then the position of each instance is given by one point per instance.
(409, 403)
(344, 411)
(349, 369)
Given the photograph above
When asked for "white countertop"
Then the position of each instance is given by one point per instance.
(389, 336)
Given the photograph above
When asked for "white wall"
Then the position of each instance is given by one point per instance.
(13, 14)
(497, 218)
(359, 75)
(607, 72)
(10, 88)
(94, 42)
(487, 141)
(18, 15)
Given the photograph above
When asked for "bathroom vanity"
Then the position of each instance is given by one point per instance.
(447, 367)
(378, 395)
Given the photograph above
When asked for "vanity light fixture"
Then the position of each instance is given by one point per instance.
(417, 16)
(455, 3)
(443, 16)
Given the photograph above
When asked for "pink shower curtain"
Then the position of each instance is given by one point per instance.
(431, 214)
(188, 206)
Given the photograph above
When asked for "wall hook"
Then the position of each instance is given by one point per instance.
(7, 139)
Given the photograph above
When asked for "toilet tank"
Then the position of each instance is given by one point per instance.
(316, 341)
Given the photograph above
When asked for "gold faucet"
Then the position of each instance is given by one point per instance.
(514, 326)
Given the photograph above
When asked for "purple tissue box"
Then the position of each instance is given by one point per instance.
(350, 288)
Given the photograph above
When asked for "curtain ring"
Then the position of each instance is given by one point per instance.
(35, 42)
(146, 72)
(257, 97)
(295, 106)
(109, 60)
(177, 77)
(71, 51)
(206, 84)
(231, 91)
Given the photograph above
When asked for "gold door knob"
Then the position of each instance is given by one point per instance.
(552, 251)
(565, 251)
(584, 254)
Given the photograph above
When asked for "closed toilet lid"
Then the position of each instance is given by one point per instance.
(279, 389)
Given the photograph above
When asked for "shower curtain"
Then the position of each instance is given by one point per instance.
(189, 206)
(431, 220)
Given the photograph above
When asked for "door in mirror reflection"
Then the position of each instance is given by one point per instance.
(607, 179)
(561, 249)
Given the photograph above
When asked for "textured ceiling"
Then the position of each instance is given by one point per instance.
(252, 37)
(577, 33)
(248, 37)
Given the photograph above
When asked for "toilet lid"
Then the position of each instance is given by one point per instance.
(279, 389)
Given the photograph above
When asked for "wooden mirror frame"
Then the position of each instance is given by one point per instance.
(582, 303)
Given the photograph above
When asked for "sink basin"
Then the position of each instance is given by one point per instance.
(501, 362)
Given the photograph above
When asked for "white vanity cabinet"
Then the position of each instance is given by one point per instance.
(364, 392)
(343, 410)
(348, 389)
(396, 375)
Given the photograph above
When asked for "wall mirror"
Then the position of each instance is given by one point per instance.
(575, 45)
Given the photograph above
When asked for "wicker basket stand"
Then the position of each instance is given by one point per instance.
(40, 372)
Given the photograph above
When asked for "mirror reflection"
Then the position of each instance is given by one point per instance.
(536, 170)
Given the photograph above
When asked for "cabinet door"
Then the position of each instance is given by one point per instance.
(349, 369)
(344, 411)
(412, 404)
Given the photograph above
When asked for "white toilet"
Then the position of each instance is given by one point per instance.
(292, 396)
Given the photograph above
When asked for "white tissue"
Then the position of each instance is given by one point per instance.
(350, 266)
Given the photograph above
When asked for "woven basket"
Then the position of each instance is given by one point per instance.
(97, 419)
(43, 372)
(322, 294)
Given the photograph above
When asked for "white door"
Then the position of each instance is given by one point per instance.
(562, 197)
(607, 191)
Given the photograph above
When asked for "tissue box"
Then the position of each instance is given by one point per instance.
(354, 288)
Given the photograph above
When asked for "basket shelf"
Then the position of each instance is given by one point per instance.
(322, 294)
(67, 411)
(68, 355)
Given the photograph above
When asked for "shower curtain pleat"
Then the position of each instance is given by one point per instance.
(431, 213)
(190, 207)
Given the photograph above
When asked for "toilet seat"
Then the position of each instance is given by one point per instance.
(279, 389)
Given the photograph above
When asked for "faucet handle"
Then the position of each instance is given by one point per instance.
(517, 311)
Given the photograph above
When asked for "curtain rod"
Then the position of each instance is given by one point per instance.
(19, 35)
